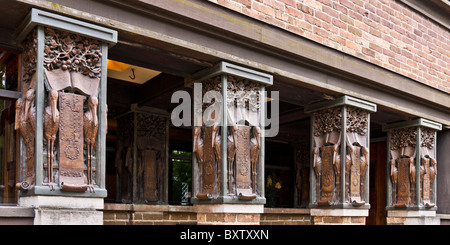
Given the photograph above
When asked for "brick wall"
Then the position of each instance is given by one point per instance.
(279, 216)
(384, 32)
(136, 214)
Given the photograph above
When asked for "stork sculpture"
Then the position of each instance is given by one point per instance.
(51, 124)
(90, 134)
(255, 147)
(231, 152)
(216, 140)
(198, 150)
(30, 110)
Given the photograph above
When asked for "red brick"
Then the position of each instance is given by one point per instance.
(305, 8)
(368, 52)
(355, 31)
(347, 4)
(352, 45)
(323, 16)
(330, 11)
(339, 23)
(313, 20)
(294, 12)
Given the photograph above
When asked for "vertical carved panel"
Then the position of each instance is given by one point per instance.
(71, 161)
(124, 157)
(243, 167)
(402, 151)
(358, 153)
(209, 168)
(327, 179)
(428, 166)
(326, 162)
(151, 157)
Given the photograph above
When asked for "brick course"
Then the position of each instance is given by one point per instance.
(386, 33)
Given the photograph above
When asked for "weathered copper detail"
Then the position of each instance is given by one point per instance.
(255, 147)
(403, 171)
(231, 153)
(151, 144)
(327, 162)
(72, 52)
(51, 124)
(428, 166)
(23, 123)
(71, 160)
(124, 158)
(243, 165)
(358, 164)
(327, 179)
(90, 128)
(326, 157)
(216, 138)
(209, 169)
(404, 183)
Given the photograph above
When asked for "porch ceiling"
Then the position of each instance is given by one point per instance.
(177, 62)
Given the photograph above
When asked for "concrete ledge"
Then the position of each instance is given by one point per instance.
(411, 213)
(61, 202)
(16, 212)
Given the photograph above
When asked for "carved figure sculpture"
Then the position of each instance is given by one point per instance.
(51, 123)
(364, 165)
(394, 179)
(337, 167)
(412, 179)
(198, 150)
(30, 110)
(90, 134)
(231, 152)
(217, 152)
(255, 147)
(317, 165)
(22, 125)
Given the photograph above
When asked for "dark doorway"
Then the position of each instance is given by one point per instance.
(377, 196)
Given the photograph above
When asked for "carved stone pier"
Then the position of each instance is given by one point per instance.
(412, 170)
(340, 159)
(61, 118)
(228, 146)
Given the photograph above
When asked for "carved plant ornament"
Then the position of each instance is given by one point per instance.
(327, 121)
(71, 52)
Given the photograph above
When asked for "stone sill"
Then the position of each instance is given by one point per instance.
(16, 212)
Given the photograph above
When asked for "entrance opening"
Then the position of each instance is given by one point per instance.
(9, 73)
